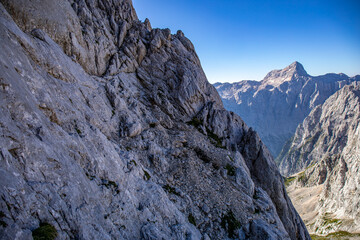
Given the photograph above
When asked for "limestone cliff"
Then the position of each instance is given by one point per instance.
(276, 105)
(110, 130)
(326, 152)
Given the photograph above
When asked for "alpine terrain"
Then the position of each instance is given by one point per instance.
(325, 154)
(276, 105)
(110, 130)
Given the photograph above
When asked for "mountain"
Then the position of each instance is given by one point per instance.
(276, 105)
(326, 148)
(110, 130)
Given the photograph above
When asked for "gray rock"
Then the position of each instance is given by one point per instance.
(325, 149)
(113, 135)
(276, 105)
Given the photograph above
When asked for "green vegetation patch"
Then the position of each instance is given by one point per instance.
(195, 122)
(78, 130)
(110, 185)
(255, 196)
(288, 181)
(45, 232)
(230, 224)
(316, 237)
(341, 235)
(230, 170)
(191, 219)
(202, 155)
(301, 177)
(170, 189)
(328, 220)
(89, 176)
(214, 139)
(146, 175)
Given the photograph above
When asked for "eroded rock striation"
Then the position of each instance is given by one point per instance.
(326, 152)
(276, 105)
(110, 130)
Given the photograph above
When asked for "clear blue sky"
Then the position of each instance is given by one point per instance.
(245, 39)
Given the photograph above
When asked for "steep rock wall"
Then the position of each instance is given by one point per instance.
(325, 150)
(110, 130)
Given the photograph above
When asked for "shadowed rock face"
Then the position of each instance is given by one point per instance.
(276, 105)
(326, 147)
(110, 130)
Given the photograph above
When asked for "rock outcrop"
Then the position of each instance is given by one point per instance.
(110, 130)
(275, 106)
(326, 148)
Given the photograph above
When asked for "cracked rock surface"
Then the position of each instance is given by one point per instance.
(110, 130)
(326, 148)
(275, 106)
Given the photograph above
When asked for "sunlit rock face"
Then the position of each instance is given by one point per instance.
(326, 152)
(110, 130)
(276, 105)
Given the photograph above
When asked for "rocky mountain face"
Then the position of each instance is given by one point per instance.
(326, 148)
(276, 105)
(110, 130)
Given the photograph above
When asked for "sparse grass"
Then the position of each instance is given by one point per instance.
(170, 189)
(230, 170)
(288, 181)
(216, 166)
(214, 139)
(230, 224)
(3, 224)
(328, 220)
(90, 177)
(146, 176)
(301, 177)
(255, 196)
(45, 232)
(78, 130)
(191, 219)
(195, 122)
(316, 237)
(341, 235)
(110, 185)
(202, 155)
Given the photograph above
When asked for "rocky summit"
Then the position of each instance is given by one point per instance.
(326, 152)
(276, 105)
(110, 130)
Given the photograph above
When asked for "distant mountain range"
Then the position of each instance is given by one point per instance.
(276, 105)
(326, 148)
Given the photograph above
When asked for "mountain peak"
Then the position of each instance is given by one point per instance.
(277, 77)
(297, 67)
